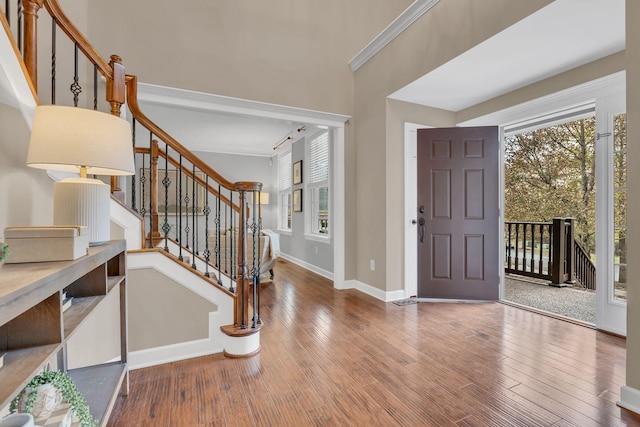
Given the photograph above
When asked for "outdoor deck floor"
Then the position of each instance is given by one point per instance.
(569, 302)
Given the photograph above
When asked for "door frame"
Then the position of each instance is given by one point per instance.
(611, 314)
(410, 208)
(527, 109)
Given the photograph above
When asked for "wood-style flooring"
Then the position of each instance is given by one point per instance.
(343, 358)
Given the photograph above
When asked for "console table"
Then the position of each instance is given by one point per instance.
(34, 329)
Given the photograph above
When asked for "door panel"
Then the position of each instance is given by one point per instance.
(458, 213)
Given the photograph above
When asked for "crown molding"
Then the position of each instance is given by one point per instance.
(162, 95)
(401, 23)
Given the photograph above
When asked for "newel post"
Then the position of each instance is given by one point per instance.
(243, 312)
(570, 261)
(116, 97)
(30, 11)
(559, 260)
(154, 233)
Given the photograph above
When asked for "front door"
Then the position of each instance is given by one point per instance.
(458, 213)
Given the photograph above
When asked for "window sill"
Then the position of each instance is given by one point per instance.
(318, 238)
(284, 232)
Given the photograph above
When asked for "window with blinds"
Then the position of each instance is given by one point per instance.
(319, 158)
(284, 171)
(317, 183)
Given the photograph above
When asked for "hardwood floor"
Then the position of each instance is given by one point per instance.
(342, 358)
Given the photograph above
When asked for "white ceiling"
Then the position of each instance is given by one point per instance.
(561, 36)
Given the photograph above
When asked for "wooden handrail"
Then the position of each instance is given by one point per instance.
(74, 34)
(132, 103)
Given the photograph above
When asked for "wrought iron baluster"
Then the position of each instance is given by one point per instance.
(7, 11)
(206, 210)
(179, 199)
(242, 267)
(194, 208)
(20, 9)
(255, 231)
(95, 86)
(166, 182)
(186, 211)
(151, 183)
(53, 60)
(133, 178)
(230, 240)
(143, 181)
(217, 247)
(75, 87)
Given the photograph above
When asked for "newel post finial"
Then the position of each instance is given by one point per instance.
(115, 97)
(116, 85)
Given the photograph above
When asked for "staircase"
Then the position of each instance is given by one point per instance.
(176, 210)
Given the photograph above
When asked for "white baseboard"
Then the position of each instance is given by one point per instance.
(310, 267)
(171, 353)
(350, 284)
(629, 399)
(374, 292)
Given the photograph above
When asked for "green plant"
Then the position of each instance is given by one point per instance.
(4, 252)
(68, 390)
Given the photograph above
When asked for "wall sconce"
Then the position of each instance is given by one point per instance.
(75, 139)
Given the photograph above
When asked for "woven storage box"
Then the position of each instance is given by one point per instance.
(39, 244)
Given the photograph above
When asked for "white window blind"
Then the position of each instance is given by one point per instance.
(319, 158)
(284, 170)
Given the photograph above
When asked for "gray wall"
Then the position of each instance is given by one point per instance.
(162, 312)
(319, 254)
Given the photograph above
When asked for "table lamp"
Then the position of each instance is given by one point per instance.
(75, 139)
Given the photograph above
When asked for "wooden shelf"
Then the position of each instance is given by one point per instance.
(35, 330)
(20, 366)
(80, 309)
(113, 281)
(99, 385)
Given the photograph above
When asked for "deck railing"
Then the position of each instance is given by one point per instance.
(548, 251)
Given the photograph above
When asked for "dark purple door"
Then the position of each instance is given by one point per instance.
(458, 213)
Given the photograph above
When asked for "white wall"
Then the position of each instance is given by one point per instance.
(25, 193)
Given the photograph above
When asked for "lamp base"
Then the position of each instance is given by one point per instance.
(83, 201)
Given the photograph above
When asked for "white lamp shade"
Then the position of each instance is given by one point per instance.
(65, 138)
